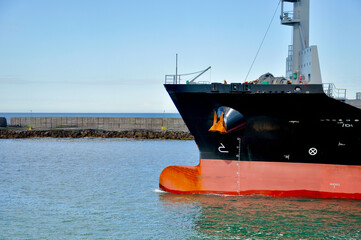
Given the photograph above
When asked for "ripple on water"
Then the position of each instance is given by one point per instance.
(108, 188)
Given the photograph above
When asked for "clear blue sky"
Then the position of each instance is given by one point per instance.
(111, 56)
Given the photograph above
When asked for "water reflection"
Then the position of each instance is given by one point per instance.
(254, 217)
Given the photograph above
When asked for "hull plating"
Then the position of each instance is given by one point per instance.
(276, 140)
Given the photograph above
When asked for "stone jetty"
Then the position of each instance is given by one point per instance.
(10, 133)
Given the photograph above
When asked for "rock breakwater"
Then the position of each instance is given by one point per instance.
(81, 133)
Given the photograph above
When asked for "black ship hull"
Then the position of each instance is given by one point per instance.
(288, 123)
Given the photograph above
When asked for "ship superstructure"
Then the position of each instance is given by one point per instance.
(302, 64)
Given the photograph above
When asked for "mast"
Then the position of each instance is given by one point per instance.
(302, 64)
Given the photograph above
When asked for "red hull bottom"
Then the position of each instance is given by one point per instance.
(276, 179)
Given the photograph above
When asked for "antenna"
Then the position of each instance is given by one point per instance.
(176, 68)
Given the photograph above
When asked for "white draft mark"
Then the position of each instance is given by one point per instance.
(222, 149)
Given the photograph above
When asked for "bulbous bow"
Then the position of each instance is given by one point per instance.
(180, 179)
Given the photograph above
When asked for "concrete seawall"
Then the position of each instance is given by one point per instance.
(108, 124)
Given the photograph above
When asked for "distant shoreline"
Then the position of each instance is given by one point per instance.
(15, 133)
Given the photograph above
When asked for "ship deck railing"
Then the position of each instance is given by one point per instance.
(172, 79)
(332, 91)
(288, 17)
(176, 79)
(190, 78)
(329, 89)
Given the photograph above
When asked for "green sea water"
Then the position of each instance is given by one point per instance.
(108, 189)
